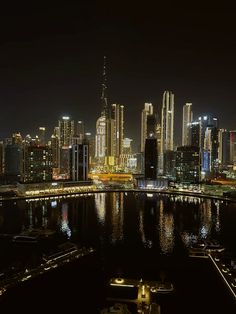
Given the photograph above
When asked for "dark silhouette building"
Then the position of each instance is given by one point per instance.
(150, 158)
(188, 164)
(13, 162)
(169, 163)
(79, 162)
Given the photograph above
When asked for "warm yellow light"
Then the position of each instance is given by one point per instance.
(121, 285)
(119, 280)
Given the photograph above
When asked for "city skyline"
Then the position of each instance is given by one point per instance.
(51, 63)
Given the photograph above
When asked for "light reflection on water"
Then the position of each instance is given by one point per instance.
(156, 222)
(100, 206)
(64, 221)
(166, 222)
(117, 217)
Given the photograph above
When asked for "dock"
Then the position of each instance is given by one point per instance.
(142, 292)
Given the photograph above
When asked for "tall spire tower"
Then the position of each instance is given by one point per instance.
(104, 102)
(102, 122)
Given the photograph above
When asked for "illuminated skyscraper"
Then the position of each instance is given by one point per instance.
(16, 138)
(187, 119)
(167, 127)
(204, 134)
(66, 134)
(148, 110)
(42, 136)
(211, 146)
(100, 139)
(37, 163)
(206, 121)
(80, 131)
(102, 121)
(117, 130)
(104, 101)
(55, 150)
(167, 122)
(66, 131)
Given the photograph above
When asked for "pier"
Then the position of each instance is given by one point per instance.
(50, 262)
(141, 292)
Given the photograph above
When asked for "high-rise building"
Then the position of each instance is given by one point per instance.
(100, 138)
(80, 130)
(1, 157)
(66, 134)
(55, 150)
(42, 140)
(187, 120)
(214, 152)
(150, 159)
(37, 163)
(187, 164)
(158, 136)
(110, 159)
(204, 134)
(104, 98)
(13, 162)
(66, 131)
(64, 158)
(167, 127)
(16, 138)
(195, 134)
(102, 122)
(79, 162)
(208, 142)
(167, 122)
(128, 160)
(151, 124)
(232, 149)
(117, 131)
(224, 148)
(89, 138)
(169, 163)
(147, 110)
(127, 145)
(206, 121)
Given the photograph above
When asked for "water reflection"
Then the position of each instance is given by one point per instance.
(166, 229)
(156, 222)
(205, 219)
(100, 206)
(64, 220)
(117, 216)
(185, 198)
(148, 206)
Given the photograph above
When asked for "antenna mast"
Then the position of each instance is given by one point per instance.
(104, 90)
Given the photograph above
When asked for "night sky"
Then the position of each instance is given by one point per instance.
(51, 62)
